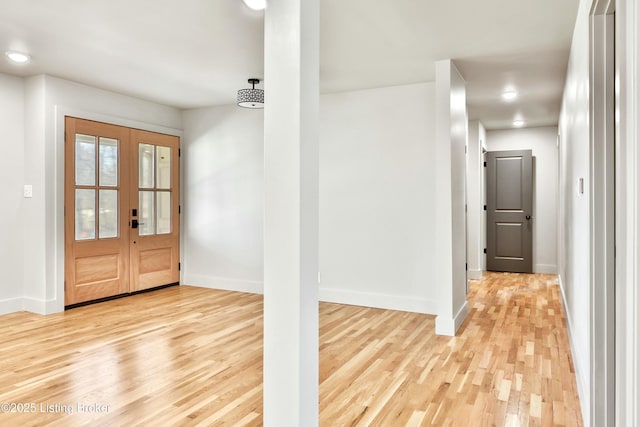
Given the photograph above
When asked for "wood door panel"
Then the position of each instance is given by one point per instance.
(98, 290)
(155, 260)
(97, 268)
(152, 280)
(508, 172)
(156, 265)
(509, 240)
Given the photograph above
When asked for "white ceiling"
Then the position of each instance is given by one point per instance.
(195, 53)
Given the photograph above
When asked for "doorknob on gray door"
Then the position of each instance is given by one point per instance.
(528, 217)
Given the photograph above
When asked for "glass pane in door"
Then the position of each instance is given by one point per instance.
(146, 214)
(108, 220)
(85, 160)
(163, 167)
(163, 209)
(146, 163)
(85, 214)
(108, 163)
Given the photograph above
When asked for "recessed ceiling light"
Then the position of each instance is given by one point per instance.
(18, 57)
(509, 95)
(518, 123)
(256, 4)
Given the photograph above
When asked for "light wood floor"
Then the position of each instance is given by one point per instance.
(192, 356)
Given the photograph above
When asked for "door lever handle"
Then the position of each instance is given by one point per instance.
(528, 217)
(135, 223)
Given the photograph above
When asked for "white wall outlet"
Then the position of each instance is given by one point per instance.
(28, 190)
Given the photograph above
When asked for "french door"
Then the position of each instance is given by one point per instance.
(121, 210)
(155, 200)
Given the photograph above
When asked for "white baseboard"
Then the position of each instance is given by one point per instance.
(449, 327)
(225, 283)
(474, 274)
(333, 295)
(12, 305)
(545, 268)
(583, 390)
(376, 300)
(40, 306)
(32, 305)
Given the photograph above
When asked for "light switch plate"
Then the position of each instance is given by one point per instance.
(28, 190)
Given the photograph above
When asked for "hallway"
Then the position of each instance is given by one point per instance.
(509, 365)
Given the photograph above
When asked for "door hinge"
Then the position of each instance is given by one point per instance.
(179, 209)
(485, 250)
(179, 152)
(179, 266)
(485, 207)
(466, 266)
(485, 164)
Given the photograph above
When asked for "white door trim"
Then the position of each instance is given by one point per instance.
(602, 211)
(627, 214)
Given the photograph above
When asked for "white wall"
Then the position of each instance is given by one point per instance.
(377, 195)
(377, 189)
(450, 242)
(573, 212)
(475, 201)
(12, 177)
(47, 100)
(35, 214)
(542, 142)
(223, 198)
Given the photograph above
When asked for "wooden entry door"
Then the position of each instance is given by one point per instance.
(155, 229)
(121, 210)
(509, 211)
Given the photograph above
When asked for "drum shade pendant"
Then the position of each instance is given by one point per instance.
(251, 98)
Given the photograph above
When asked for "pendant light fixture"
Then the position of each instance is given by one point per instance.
(251, 98)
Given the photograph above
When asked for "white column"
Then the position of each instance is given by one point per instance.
(291, 213)
(451, 138)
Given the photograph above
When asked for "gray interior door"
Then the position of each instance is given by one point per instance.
(509, 211)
